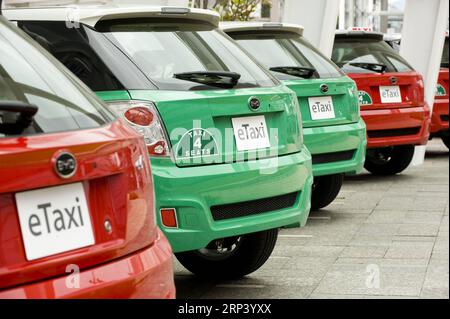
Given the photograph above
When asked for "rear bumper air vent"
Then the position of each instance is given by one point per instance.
(254, 207)
(396, 132)
(332, 157)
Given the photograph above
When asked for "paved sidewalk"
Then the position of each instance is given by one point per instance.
(382, 238)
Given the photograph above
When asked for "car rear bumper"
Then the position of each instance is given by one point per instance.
(146, 274)
(195, 191)
(392, 127)
(439, 119)
(337, 149)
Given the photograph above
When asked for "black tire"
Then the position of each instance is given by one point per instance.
(446, 140)
(325, 190)
(250, 253)
(390, 160)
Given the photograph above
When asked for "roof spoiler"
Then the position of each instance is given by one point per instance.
(49, 3)
(359, 34)
(239, 27)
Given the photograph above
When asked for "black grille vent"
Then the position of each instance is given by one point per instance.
(253, 207)
(333, 157)
(396, 132)
(444, 118)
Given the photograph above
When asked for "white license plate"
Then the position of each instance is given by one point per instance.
(54, 220)
(250, 133)
(321, 108)
(390, 94)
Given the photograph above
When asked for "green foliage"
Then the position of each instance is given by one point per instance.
(232, 10)
(237, 10)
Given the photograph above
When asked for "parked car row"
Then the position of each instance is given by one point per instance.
(136, 127)
(439, 119)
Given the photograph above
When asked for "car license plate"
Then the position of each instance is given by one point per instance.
(54, 220)
(250, 133)
(390, 94)
(321, 108)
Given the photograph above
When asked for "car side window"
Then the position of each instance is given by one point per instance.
(71, 47)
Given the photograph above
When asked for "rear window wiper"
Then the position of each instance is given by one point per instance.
(375, 67)
(298, 71)
(225, 80)
(15, 125)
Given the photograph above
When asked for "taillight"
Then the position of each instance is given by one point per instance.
(294, 101)
(420, 83)
(139, 116)
(144, 118)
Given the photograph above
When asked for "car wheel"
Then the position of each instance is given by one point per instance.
(231, 258)
(325, 190)
(446, 141)
(390, 160)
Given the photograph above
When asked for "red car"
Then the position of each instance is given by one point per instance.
(391, 95)
(77, 215)
(439, 120)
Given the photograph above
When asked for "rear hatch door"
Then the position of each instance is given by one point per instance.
(389, 90)
(214, 127)
(326, 102)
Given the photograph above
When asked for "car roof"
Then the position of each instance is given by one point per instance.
(261, 26)
(342, 34)
(91, 14)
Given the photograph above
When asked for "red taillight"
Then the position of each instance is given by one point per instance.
(144, 118)
(169, 217)
(139, 116)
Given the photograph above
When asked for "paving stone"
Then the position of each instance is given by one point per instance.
(387, 217)
(364, 252)
(410, 250)
(357, 280)
(418, 230)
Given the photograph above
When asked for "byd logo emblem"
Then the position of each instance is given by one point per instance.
(65, 165)
(324, 88)
(254, 104)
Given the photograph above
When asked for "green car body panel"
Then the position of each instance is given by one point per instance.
(193, 189)
(347, 132)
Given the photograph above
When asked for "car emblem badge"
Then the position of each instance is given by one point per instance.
(324, 88)
(394, 80)
(254, 104)
(65, 165)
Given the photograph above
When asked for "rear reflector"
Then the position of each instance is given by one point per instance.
(169, 217)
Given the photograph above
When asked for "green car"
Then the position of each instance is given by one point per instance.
(224, 136)
(333, 130)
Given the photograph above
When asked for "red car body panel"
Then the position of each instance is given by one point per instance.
(391, 124)
(142, 275)
(439, 119)
(134, 260)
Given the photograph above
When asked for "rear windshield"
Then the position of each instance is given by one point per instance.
(148, 53)
(445, 63)
(30, 75)
(163, 48)
(283, 49)
(350, 53)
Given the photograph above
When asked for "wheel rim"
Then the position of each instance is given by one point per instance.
(221, 249)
